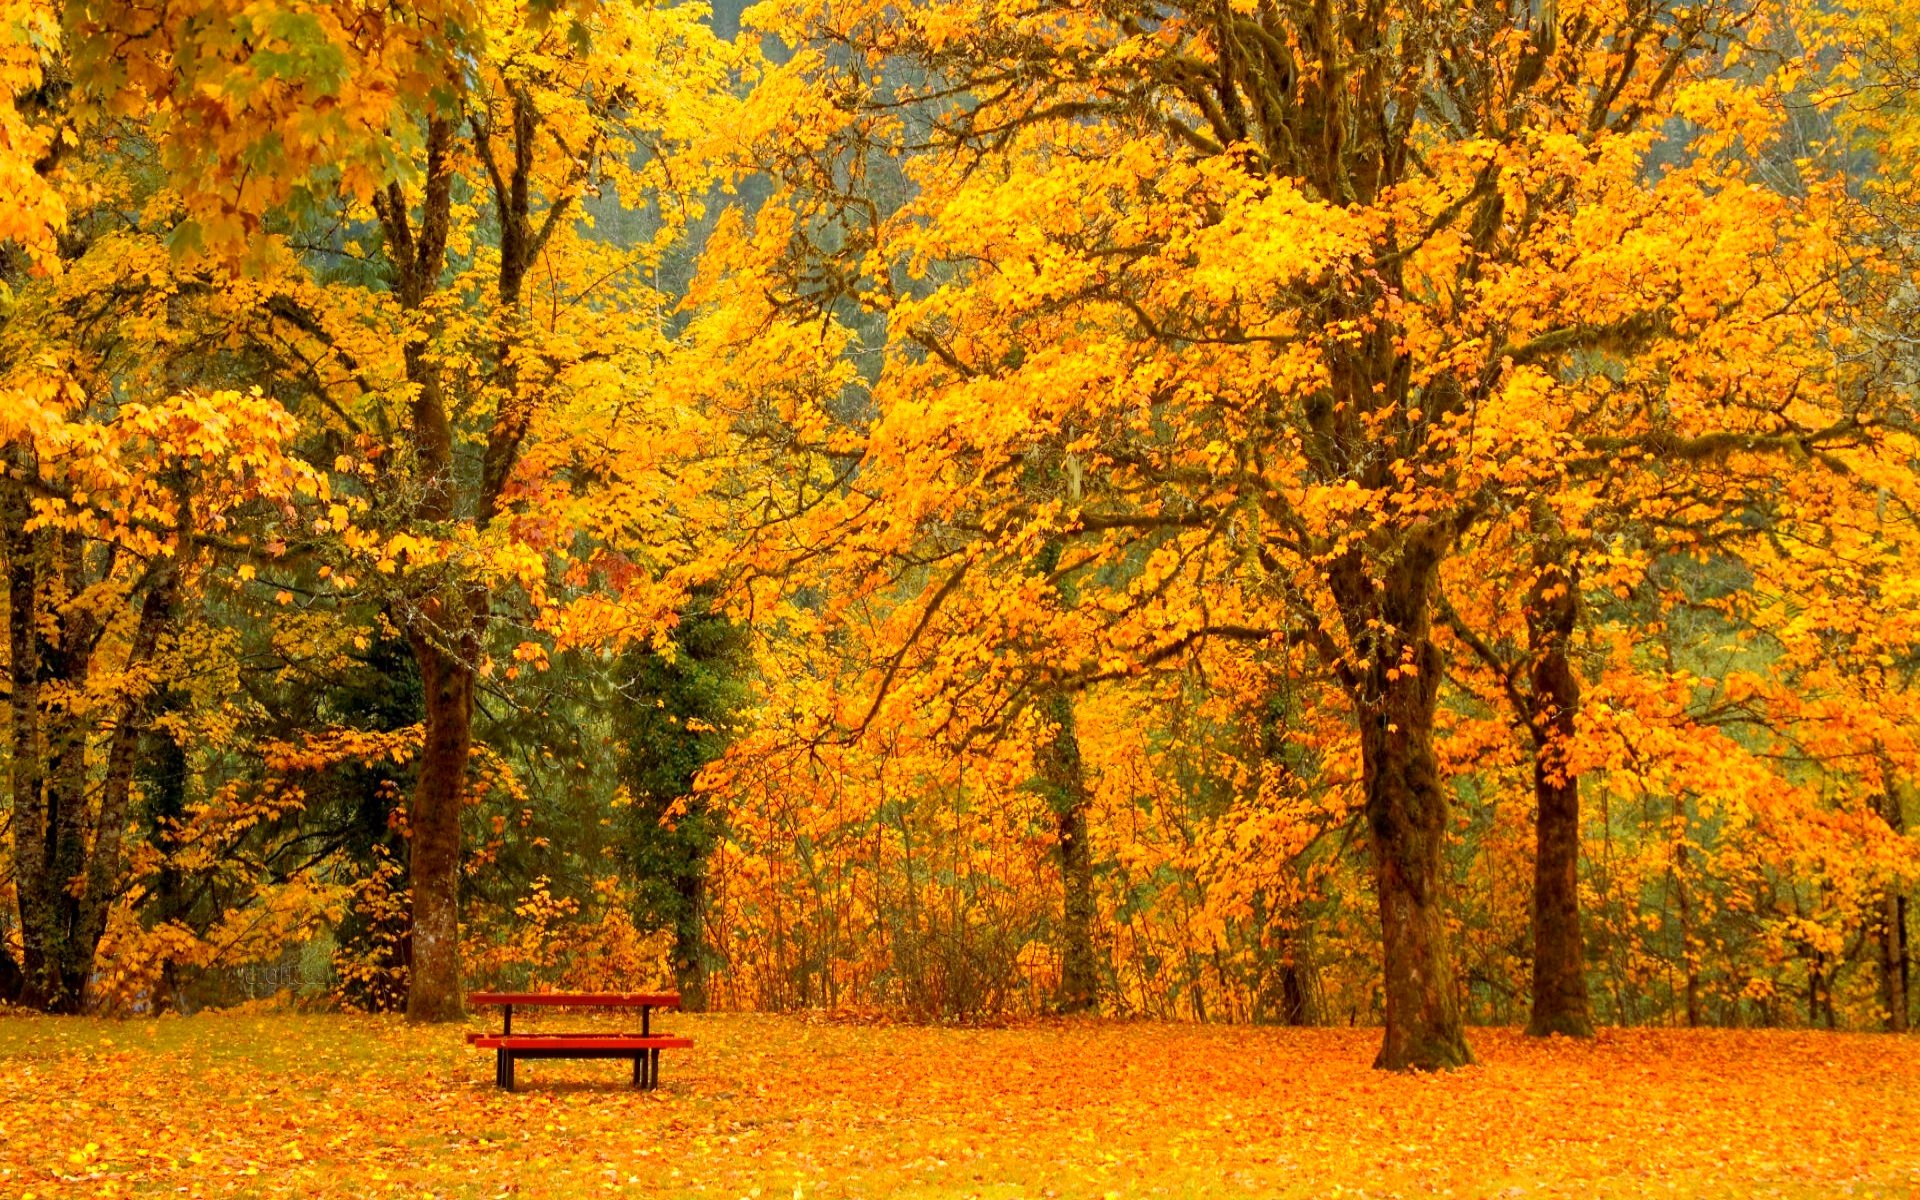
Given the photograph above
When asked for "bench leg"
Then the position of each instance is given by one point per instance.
(640, 1070)
(653, 1069)
(508, 1082)
(500, 1068)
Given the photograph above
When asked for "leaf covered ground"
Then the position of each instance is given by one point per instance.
(264, 1105)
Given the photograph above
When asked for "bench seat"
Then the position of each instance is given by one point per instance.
(634, 1042)
(643, 1048)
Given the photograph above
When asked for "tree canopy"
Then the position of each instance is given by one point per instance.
(1277, 510)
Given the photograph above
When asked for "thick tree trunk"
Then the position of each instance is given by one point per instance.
(1063, 777)
(1395, 686)
(689, 937)
(1407, 823)
(433, 828)
(1560, 1002)
(443, 635)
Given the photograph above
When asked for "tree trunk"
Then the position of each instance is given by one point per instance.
(13, 984)
(1395, 688)
(67, 848)
(164, 789)
(1407, 823)
(433, 827)
(1689, 953)
(36, 819)
(1894, 995)
(1894, 968)
(1296, 993)
(1560, 1003)
(418, 254)
(105, 862)
(1820, 993)
(689, 934)
(1063, 778)
(1063, 781)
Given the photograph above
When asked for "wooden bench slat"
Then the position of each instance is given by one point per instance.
(596, 1041)
(623, 1034)
(475, 1038)
(579, 999)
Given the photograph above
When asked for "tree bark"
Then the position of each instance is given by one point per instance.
(1820, 993)
(1894, 964)
(1560, 1001)
(1396, 689)
(1689, 954)
(442, 633)
(689, 937)
(433, 829)
(446, 633)
(13, 984)
(164, 790)
(1063, 778)
(1296, 992)
(65, 662)
(1895, 998)
(37, 816)
(105, 862)
(1406, 823)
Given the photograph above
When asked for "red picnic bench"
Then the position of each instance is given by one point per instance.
(643, 1048)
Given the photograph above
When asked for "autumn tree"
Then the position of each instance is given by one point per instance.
(1863, 81)
(106, 524)
(386, 184)
(1298, 287)
(681, 709)
(136, 476)
(561, 109)
(1538, 679)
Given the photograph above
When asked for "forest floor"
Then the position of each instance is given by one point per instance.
(778, 1107)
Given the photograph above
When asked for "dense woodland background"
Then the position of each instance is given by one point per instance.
(1302, 511)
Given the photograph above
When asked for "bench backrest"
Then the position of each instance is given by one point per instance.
(579, 999)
